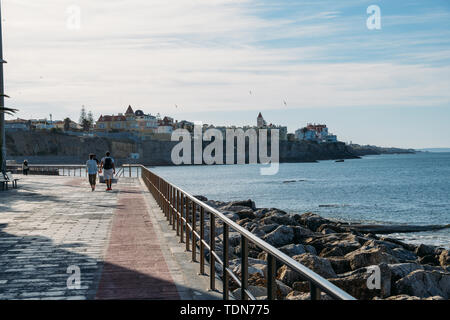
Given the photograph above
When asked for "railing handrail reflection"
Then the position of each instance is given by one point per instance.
(170, 198)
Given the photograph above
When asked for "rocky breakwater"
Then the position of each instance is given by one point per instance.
(337, 251)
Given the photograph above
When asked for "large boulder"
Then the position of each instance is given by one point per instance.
(297, 295)
(424, 284)
(297, 249)
(407, 246)
(281, 236)
(261, 213)
(340, 264)
(232, 208)
(262, 230)
(300, 233)
(406, 297)
(239, 205)
(279, 217)
(234, 238)
(255, 266)
(355, 283)
(231, 215)
(246, 214)
(400, 270)
(425, 250)
(293, 249)
(312, 220)
(403, 255)
(317, 264)
(393, 248)
(429, 259)
(256, 291)
(335, 244)
(282, 289)
(366, 256)
(444, 258)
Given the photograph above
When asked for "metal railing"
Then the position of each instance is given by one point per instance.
(72, 170)
(181, 208)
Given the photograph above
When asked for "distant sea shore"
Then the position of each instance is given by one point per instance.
(57, 148)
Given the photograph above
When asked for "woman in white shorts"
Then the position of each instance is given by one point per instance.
(109, 170)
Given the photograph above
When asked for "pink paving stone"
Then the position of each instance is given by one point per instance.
(134, 266)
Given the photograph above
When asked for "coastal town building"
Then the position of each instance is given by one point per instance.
(262, 124)
(130, 121)
(138, 125)
(72, 125)
(18, 124)
(315, 132)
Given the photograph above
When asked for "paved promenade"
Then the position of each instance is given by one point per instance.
(51, 227)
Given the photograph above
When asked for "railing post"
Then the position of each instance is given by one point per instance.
(178, 212)
(314, 291)
(166, 196)
(244, 267)
(271, 272)
(169, 197)
(194, 238)
(202, 236)
(181, 218)
(159, 192)
(187, 223)
(225, 275)
(212, 245)
(174, 209)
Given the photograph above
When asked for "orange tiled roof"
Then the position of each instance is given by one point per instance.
(111, 118)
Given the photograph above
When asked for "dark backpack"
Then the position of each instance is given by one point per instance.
(108, 164)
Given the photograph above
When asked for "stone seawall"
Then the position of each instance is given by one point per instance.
(53, 148)
(345, 254)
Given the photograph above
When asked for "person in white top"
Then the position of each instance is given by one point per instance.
(109, 170)
(91, 169)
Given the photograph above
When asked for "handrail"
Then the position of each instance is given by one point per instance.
(77, 170)
(174, 202)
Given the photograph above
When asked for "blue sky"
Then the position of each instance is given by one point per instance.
(387, 87)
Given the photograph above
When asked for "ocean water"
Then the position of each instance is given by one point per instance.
(400, 189)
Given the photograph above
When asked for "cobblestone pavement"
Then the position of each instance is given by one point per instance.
(51, 224)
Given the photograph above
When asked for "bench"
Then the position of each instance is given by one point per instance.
(3, 182)
(12, 179)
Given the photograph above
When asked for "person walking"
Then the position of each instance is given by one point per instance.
(91, 169)
(25, 167)
(109, 170)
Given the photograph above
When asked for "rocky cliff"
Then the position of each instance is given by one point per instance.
(365, 150)
(45, 147)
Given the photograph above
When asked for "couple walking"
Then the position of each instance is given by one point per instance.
(106, 165)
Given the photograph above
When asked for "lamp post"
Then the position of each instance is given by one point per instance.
(2, 101)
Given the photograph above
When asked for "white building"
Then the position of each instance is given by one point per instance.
(313, 132)
(164, 129)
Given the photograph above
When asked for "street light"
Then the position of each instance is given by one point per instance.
(2, 102)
